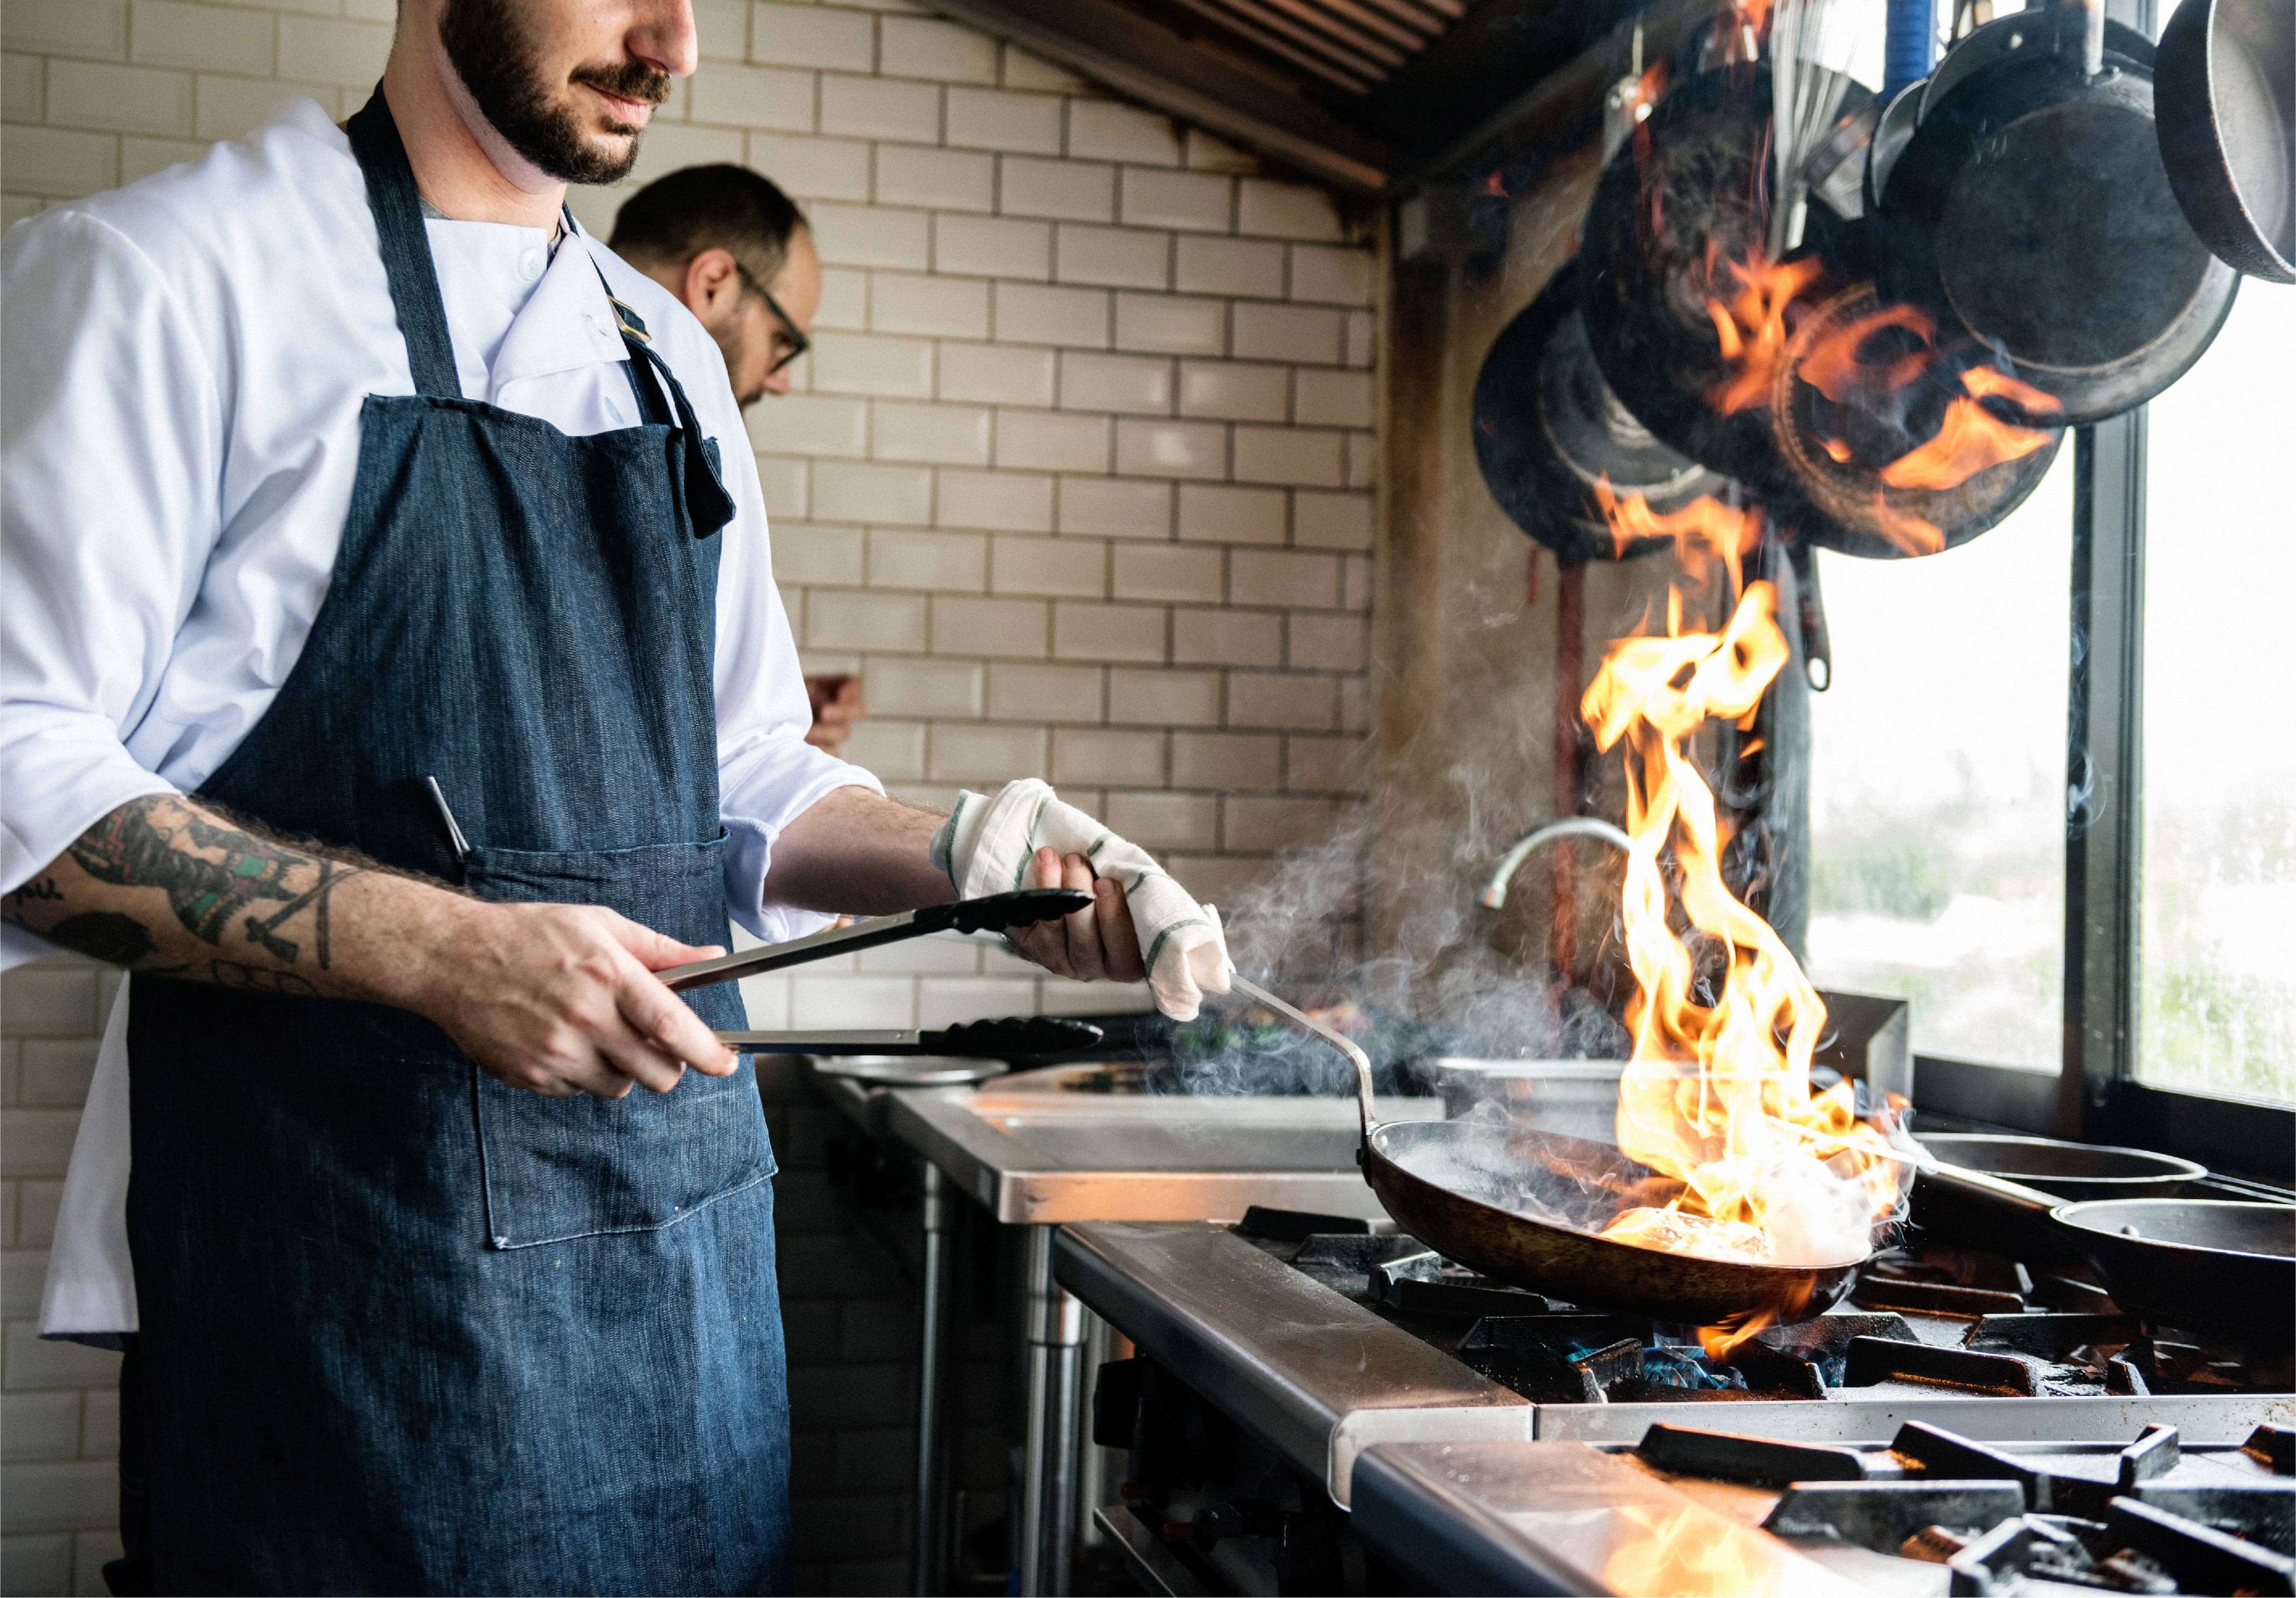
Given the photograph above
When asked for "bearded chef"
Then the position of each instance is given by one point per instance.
(394, 682)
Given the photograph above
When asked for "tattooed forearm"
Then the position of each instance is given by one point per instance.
(209, 871)
(176, 885)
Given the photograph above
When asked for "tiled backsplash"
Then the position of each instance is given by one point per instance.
(1077, 477)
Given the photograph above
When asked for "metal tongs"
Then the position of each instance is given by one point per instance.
(986, 1039)
(994, 913)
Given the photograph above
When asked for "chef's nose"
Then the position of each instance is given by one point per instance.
(664, 37)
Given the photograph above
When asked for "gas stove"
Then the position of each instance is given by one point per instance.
(1288, 1362)
(1695, 1511)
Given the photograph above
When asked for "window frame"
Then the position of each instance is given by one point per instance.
(2096, 1096)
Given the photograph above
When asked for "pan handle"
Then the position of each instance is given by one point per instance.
(1338, 1040)
(2080, 25)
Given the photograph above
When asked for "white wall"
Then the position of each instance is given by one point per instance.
(1078, 478)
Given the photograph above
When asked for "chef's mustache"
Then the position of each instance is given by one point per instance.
(632, 80)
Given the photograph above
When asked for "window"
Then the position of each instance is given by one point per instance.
(1936, 785)
(2216, 929)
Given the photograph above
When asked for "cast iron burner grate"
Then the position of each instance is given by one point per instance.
(2136, 1520)
(1925, 1319)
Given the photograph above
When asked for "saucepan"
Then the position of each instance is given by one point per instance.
(1462, 1187)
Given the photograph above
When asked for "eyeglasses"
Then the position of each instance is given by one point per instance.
(794, 343)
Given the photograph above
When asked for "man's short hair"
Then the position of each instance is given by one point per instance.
(674, 218)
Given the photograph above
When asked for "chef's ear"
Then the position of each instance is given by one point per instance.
(712, 291)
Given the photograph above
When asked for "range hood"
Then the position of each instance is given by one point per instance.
(1364, 95)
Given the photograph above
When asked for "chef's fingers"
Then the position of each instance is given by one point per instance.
(659, 951)
(1043, 942)
(668, 1025)
(1082, 927)
(1118, 936)
(638, 1060)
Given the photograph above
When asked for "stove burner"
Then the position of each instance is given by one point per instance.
(1886, 1515)
(1426, 1284)
(2273, 1447)
(1995, 1520)
(1757, 1460)
(1874, 1360)
(1933, 1298)
(1296, 1225)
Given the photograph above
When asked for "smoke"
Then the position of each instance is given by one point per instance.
(1439, 975)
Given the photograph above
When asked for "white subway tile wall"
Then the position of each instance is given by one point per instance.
(1077, 478)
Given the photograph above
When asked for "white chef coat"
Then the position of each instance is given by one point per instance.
(187, 357)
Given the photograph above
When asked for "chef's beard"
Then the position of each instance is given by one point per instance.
(488, 43)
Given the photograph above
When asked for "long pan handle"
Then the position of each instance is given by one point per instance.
(994, 913)
(999, 1039)
(1963, 1206)
(1338, 1040)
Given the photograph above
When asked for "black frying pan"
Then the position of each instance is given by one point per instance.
(2225, 97)
(1462, 1187)
(2206, 1264)
(1843, 445)
(1682, 201)
(2073, 1172)
(1547, 429)
(2031, 212)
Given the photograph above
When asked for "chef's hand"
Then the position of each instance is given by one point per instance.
(561, 999)
(1088, 944)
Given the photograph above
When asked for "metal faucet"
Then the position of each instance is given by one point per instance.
(1494, 891)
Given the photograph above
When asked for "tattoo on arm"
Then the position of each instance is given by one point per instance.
(206, 897)
(138, 846)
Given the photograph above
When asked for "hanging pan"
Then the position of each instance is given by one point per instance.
(2030, 212)
(1898, 446)
(1679, 217)
(2225, 97)
(1548, 429)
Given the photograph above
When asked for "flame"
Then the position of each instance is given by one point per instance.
(1833, 368)
(1970, 439)
(1750, 321)
(1843, 365)
(1718, 1095)
(1662, 1551)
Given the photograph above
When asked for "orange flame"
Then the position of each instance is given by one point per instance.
(1751, 324)
(1660, 1551)
(1718, 1095)
(1970, 439)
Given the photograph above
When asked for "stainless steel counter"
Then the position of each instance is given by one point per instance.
(1318, 1378)
(1554, 1517)
(1040, 1160)
(1046, 1160)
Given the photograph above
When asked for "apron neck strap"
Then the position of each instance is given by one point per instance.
(397, 208)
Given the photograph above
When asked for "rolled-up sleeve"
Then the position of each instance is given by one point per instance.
(111, 449)
(768, 773)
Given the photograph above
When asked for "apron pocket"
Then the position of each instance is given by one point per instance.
(562, 1168)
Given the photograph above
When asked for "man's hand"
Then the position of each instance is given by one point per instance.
(1092, 944)
(561, 999)
(555, 998)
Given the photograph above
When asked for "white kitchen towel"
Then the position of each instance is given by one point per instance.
(986, 845)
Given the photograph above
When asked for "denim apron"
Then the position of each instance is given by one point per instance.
(405, 1329)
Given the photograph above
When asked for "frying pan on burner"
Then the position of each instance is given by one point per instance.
(1457, 1187)
(2208, 1263)
(2031, 212)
